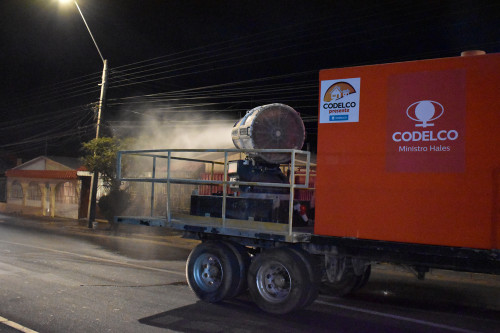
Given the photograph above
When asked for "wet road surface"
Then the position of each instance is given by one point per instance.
(76, 280)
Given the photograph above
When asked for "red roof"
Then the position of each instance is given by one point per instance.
(52, 174)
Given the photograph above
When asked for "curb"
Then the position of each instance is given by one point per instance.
(72, 226)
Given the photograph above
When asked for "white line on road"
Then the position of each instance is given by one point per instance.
(97, 259)
(16, 326)
(392, 316)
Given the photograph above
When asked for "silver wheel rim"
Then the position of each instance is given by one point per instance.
(207, 272)
(274, 282)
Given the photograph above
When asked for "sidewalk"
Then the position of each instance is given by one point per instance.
(80, 227)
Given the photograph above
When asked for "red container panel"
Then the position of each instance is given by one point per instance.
(410, 152)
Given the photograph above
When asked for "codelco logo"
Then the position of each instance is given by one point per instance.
(426, 121)
(340, 100)
(423, 112)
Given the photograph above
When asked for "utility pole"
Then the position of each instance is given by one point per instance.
(102, 102)
(95, 175)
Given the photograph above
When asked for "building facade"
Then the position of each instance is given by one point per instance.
(49, 186)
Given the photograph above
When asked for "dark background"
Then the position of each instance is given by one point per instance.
(183, 62)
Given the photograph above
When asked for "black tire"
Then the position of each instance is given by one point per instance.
(210, 271)
(314, 271)
(278, 281)
(344, 286)
(240, 275)
(363, 278)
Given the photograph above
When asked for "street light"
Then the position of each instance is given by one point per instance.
(102, 98)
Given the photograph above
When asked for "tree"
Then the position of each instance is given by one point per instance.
(100, 156)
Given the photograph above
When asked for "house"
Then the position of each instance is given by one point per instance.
(49, 186)
(336, 93)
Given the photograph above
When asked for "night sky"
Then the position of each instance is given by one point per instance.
(186, 60)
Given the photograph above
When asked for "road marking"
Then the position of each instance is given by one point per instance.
(392, 316)
(16, 326)
(97, 259)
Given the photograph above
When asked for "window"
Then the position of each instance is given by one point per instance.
(34, 192)
(66, 193)
(16, 191)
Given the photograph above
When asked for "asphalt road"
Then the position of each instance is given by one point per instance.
(58, 276)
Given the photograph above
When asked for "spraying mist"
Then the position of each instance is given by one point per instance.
(157, 128)
(160, 127)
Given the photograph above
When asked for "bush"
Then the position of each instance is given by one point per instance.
(114, 203)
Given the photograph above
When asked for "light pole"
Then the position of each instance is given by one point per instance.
(95, 174)
(102, 99)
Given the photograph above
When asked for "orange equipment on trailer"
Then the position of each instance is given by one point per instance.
(410, 152)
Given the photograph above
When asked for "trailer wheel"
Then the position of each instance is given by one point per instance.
(278, 281)
(363, 279)
(243, 261)
(210, 271)
(314, 270)
(339, 278)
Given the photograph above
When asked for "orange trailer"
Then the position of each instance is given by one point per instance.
(408, 172)
(410, 152)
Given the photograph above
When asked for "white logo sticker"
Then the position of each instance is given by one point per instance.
(340, 101)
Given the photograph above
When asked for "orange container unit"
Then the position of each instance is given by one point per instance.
(410, 152)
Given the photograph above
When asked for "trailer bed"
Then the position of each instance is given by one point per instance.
(251, 225)
(232, 227)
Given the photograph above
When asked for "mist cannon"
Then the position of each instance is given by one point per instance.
(271, 126)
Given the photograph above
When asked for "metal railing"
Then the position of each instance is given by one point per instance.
(173, 155)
